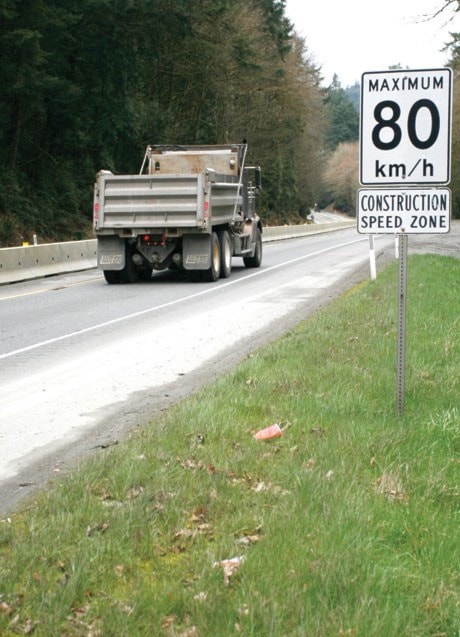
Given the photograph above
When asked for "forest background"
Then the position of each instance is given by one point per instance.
(87, 84)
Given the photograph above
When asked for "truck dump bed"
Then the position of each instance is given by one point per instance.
(183, 190)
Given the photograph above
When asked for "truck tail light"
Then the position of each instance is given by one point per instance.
(154, 240)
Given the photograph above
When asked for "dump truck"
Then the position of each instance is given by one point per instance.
(190, 208)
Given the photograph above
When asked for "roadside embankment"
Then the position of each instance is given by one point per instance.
(345, 524)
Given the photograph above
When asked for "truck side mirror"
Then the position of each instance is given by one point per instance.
(258, 178)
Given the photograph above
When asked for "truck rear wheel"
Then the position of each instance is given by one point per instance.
(225, 254)
(256, 259)
(112, 276)
(145, 275)
(130, 273)
(214, 271)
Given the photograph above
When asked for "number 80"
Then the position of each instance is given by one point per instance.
(391, 123)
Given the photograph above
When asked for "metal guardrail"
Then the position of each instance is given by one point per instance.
(37, 261)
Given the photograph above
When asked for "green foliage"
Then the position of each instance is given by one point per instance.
(88, 83)
(277, 25)
(343, 117)
(354, 94)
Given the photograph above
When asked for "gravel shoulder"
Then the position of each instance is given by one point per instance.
(445, 244)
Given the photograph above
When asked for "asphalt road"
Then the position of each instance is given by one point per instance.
(82, 363)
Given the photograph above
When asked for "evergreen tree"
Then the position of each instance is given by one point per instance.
(354, 95)
(343, 116)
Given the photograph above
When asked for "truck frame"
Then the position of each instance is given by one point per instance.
(190, 208)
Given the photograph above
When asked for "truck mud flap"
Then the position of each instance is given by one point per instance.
(196, 251)
(111, 253)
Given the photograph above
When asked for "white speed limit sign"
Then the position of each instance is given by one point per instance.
(405, 127)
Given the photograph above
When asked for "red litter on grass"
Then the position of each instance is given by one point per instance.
(274, 431)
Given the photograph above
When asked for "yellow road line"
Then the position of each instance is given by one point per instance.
(53, 289)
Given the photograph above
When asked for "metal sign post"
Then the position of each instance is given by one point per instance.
(405, 154)
(401, 345)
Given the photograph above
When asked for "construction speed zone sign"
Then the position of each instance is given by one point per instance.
(405, 127)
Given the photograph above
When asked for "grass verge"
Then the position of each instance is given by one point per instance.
(345, 525)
